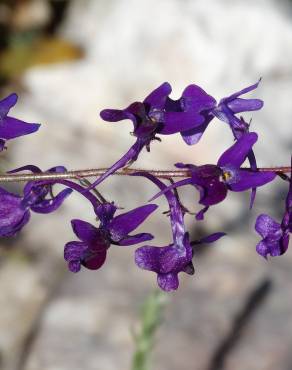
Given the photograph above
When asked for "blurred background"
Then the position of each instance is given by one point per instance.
(67, 60)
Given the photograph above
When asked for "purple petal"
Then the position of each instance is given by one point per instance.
(194, 97)
(253, 165)
(12, 128)
(262, 249)
(206, 179)
(273, 247)
(51, 205)
(163, 259)
(185, 165)
(241, 92)
(212, 193)
(167, 262)
(266, 225)
(289, 199)
(176, 215)
(73, 251)
(238, 126)
(35, 169)
(57, 169)
(6, 104)
(147, 258)
(135, 239)
(138, 115)
(194, 135)
(85, 231)
(115, 115)
(238, 152)
(123, 224)
(284, 243)
(245, 179)
(200, 215)
(17, 223)
(168, 282)
(177, 184)
(157, 97)
(180, 121)
(93, 261)
(74, 266)
(245, 105)
(174, 259)
(12, 215)
(105, 212)
(33, 188)
(173, 105)
(275, 239)
(80, 252)
(211, 238)
(29, 167)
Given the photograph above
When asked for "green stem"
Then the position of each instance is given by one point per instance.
(151, 316)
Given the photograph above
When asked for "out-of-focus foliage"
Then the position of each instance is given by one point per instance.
(28, 52)
(28, 36)
(151, 316)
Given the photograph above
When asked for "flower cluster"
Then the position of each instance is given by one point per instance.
(156, 115)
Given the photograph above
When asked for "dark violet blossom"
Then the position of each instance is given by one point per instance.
(275, 235)
(10, 128)
(225, 110)
(214, 181)
(157, 114)
(228, 107)
(167, 262)
(15, 209)
(91, 250)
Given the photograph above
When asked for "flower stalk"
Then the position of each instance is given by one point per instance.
(81, 174)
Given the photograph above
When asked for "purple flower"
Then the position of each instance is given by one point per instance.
(167, 262)
(91, 250)
(10, 128)
(13, 216)
(214, 181)
(275, 235)
(228, 107)
(196, 104)
(37, 197)
(225, 110)
(157, 114)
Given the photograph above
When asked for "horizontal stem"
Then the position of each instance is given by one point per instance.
(79, 174)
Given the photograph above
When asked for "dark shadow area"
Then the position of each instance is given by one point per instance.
(253, 303)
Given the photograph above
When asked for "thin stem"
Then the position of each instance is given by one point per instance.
(79, 174)
(151, 319)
